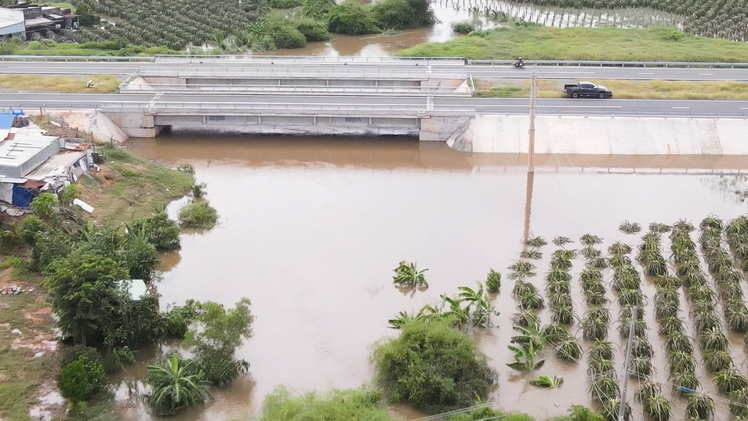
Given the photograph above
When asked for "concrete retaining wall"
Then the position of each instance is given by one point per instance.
(605, 136)
(135, 124)
(439, 129)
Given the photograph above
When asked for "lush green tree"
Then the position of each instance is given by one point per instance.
(199, 215)
(317, 9)
(176, 384)
(49, 246)
(80, 379)
(433, 367)
(352, 18)
(337, 405)
(175, 323)
(44, 206)
(215, 335)
(83, 289)
(403, 14)
(138, 256)
(87, 15)
(313, 30)
(134, 323)
(287, 36)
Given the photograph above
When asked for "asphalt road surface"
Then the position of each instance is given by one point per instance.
(435, 70)
(454, 105)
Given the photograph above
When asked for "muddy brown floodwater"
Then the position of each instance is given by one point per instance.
(310, 229)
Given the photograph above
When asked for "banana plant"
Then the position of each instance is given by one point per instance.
(525, 357)
(548, 381)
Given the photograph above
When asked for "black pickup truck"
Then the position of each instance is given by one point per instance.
(587, 89)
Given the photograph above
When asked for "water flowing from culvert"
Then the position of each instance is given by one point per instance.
(310, 229)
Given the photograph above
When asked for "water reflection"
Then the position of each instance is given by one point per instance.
(311, 228)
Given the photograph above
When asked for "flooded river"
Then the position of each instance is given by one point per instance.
(310, 230)
(449, 12)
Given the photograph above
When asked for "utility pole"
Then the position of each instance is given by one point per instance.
(531, 152)
(622, 409)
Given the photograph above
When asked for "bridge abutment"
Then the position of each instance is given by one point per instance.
(136, 124)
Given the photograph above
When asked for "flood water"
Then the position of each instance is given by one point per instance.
(310, 230)
(449, 12)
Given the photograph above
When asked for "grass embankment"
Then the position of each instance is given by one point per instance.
(622, 89)
(21, 374)
(543, 43)
(129, 187)
(63, 84)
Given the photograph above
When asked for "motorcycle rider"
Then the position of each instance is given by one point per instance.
(520, 62)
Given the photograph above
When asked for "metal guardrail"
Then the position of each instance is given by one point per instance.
(76, 58)
(310, 59)
(286, 72)
(270, 108)
(584, 63)
(285, 89)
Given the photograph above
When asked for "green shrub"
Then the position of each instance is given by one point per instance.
(403, 14)
(317, 9)
(352, 18)
(433, 367)
(30, 228)
(581, 413)
(284, 4)
(485, 413)
(158, 230)
(313, 30)
(198, 215)
(337, 405)
(7, 48)
(80, 379)
(286, 36)
(463, 27)
(72, 353)
(44, 205)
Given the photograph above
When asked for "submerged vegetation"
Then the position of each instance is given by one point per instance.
(407, 275)
(458, 374)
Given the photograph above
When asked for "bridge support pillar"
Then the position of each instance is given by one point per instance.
(135, 124)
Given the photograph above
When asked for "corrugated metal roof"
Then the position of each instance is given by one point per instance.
(58, 165)
(38, 21)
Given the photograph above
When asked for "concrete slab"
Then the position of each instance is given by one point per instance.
(624, 136)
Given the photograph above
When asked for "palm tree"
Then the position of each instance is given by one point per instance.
(176, 384)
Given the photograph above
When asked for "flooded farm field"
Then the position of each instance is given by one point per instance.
(310, 230)
(480, 13)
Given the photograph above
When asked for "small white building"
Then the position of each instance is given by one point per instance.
(12, 22)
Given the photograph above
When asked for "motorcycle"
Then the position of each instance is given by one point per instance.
(520, 64)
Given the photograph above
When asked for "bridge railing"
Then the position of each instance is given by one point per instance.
(287, 72)
(286, 89)
(412, 109)
(58, 59)
(309, 59)
(588, 63)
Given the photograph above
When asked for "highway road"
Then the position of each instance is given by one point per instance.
(435, 70)
(404, 105)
